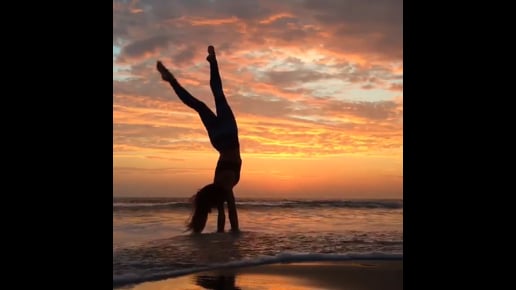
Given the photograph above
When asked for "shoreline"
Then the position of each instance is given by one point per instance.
(351, 274)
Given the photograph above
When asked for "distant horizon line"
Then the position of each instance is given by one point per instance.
(266, 198)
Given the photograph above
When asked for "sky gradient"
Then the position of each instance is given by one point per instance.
(316, 87)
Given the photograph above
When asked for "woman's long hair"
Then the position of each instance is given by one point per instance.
(208, 197)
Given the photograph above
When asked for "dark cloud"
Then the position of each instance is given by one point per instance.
(376, 25)
(372, 12)
(293, 60)
(285, 30)
(140, 47)
(381, 110)
(287, 78)
(166, 9)
(185, 55)
(369, 75)
(243, 9)
(262, 106)
(127, 24)
(353, 26)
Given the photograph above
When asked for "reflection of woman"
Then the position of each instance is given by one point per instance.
(217, 282)
(223, 133)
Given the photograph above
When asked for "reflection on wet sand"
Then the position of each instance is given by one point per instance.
(217, 282)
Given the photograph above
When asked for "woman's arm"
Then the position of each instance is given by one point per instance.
(232, 212)
(221, 219)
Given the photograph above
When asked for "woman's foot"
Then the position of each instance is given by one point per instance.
(211, 54)
(166, 75)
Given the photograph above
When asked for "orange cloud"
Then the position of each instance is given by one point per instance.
(210, 22)
(275, 17)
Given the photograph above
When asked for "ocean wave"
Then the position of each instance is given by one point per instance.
(142, 205)
(286, 257)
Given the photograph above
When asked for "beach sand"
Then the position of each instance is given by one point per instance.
(348, 275)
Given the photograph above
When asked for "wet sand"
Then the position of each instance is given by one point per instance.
(356, 275)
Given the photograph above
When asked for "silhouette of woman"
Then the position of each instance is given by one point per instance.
(223, 133)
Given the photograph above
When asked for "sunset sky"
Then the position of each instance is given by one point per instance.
(316, 87)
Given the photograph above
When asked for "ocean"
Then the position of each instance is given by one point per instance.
(149, 241)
